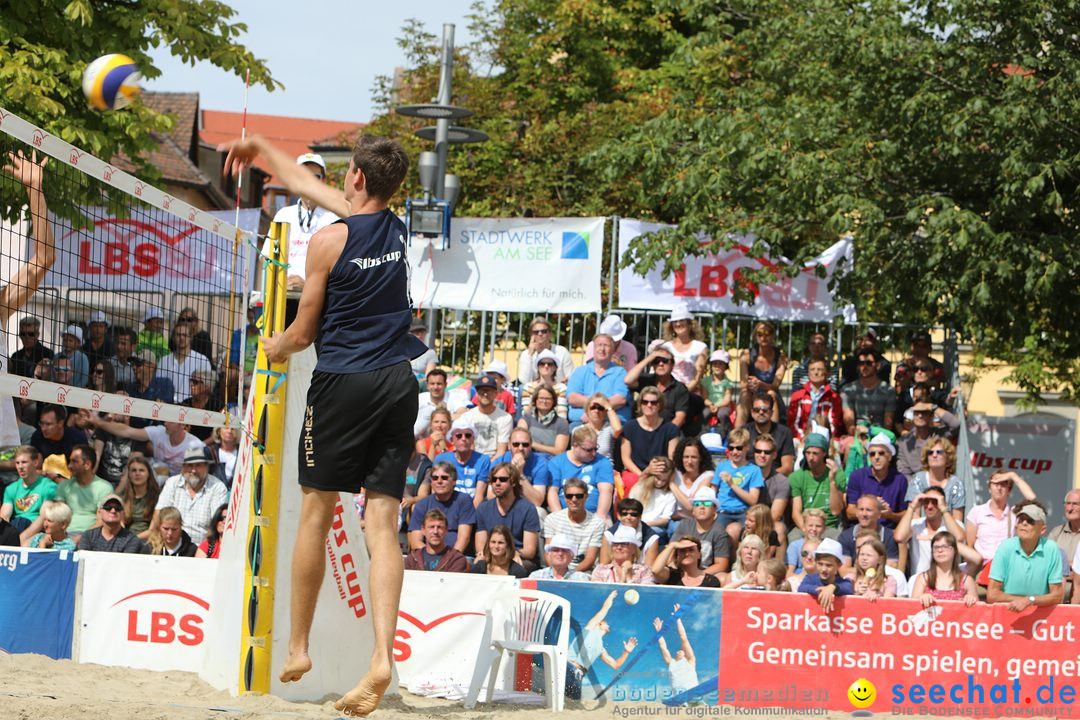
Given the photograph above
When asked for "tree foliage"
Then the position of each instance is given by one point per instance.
(941, 135)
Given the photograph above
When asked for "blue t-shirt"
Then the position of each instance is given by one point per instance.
(521, 518)
(366, 315)
(475, 470)
(459, 510)
(535, 468)
(812, 582)
(747, 477)
(585, 381)
(593, 474)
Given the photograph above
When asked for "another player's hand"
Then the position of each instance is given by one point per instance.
(241, 154)
(27, 171)
(630, 644)
(296, 282)
(272, 348)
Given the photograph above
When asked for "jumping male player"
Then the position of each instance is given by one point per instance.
(363, 398)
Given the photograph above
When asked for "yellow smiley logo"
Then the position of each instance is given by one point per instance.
(862, 693)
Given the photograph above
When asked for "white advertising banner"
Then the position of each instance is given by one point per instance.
(1041, 448)
(143, 611)
(549, 265)
(706, 283)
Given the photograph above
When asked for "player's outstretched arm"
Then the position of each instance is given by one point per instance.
(28, 277)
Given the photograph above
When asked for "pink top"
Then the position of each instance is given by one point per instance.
(946, 594)
(990, 531)
(639, 574)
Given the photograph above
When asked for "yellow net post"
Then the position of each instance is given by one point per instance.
(260, 565)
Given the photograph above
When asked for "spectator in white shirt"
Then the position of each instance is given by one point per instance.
(182, 361)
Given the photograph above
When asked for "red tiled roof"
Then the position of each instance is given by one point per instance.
(185, 106)
(293, 135)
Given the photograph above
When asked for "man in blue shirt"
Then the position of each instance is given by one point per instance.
(581, 461)
(601, 376)
(508, 508)
(826, 583)
(472, 467)
(881, 480)
(535, 477)
(456, 505)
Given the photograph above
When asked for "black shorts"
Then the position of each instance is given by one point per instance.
(358, 430)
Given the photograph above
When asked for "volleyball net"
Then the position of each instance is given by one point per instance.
(117, 296)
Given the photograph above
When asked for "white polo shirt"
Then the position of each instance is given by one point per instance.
(303, 223)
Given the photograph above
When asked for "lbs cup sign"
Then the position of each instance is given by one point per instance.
(549, 265)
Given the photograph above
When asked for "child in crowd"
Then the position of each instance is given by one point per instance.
(718, 392)
(826, 584)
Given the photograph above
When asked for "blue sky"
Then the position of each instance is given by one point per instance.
(326, 52)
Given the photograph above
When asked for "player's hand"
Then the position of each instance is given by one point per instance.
(241, 154)
(630, 644)
(272, 348)
(27, 171)
(658, 624)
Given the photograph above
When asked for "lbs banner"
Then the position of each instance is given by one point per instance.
(513, 265)
(705, 283)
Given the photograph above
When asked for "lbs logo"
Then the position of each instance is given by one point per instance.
(146, 625)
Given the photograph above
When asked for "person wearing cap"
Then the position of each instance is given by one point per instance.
(148, 385)
(813, 399)
(539, 340)
(867, 397)
(598, 375)
(427, 362)
(924, 415)
(472, 467)
(123, 361)
(625, 353)
(826, 584)
(111, 535)
(152, 336)
(625, 556)
(1027, 568)
(559, 552)
(718, 390)
(491, 423)
(817, 348)
(98, 347)
(547, 366)
(821, 485)
(710, 534)
(24, 498)
(991, 523)
(850, 370)
(660, 362)
(169, 441)
(507, 507)
(194, 492)
(504, 399)
(456, 505)
(83, 492)
(435, 554)
(71, 341)
(182, 361)
(881, 480)
(682, 337)
(583, 462)
(629, 513)
(304, 218)
(33, 351)
(583, 527)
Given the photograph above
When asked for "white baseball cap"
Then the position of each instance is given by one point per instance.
(680, 312)
(311, 158)
(713, 442)
(704, 492)
(561, 541)
(98, 317)
(498, 366)
(720, 356)
(828, 546)
(614, 326)
(74, 331)
(882, 440)
(151, 313)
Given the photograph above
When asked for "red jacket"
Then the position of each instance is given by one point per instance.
(451, 561)
(830, 405)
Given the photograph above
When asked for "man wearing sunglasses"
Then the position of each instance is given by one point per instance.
(508, 508)
(880, 480)
(304, 219)
(761, 409)
(869, 396)
(909, 449)
(472, 467)
(582, 461)
(585, 529)
(112, 536)
(455, 505)
(33, 351)
(1027, 568)
(714, 540)
(535, 478)
(655, 371)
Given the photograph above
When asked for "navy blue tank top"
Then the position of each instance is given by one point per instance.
(367, 313)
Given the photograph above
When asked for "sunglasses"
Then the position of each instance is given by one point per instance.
(440, 477)
(597, 407)
(923, 368)
(629, 513)
(761, 408)
(521, 444)
(865, 363)
(111, 507)
(941, 547)
(738, 448)
(500, 479)
(662, 361)
(187, 318)
(807, 553)
(924, 412)
(588, 449)
(650, 402)
(574, 496)
(935, 451)
(193, 381)
(930, 501)
(460, 435)
(28, 334)
(541, 331)
(762, 451)
(878, 453)
(546, 362)
(703, 503)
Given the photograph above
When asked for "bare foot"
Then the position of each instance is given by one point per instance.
(363, 699)
(295, 667)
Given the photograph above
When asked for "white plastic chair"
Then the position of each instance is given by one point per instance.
(517, 623)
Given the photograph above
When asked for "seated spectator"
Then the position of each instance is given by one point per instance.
(682, 337)
(169, 442)
(24, 498)
(774, 574)
(817, 349)
(226, 445)
(868, 578)
(918, 532)
(471, 468)
(759, 522)
(71, 341)
(865, 535)
(435, 554)
(813, 529)
(426, 362)
(821, 486)
(550, 433)
(625, 354)
(719, 392)
(98, 347)
(605, 422)
(200, 339)
(57, 517)
(102, 377)
(169, 537)
(436, 438)
(598, 376)
(497, 555)
(938, 463)
(694, 469)
(201, 386)
(508, 510)
(504, 399)
(139, 490)
(776, 495)
(83, 493)
(748, 557)
(456, 506)
(79, 418)
(1026, 569)
(455, 401)
(676, 406)
(942, 579)
(761, 412)
(814, 401)
(539, 341)
(868, 515)
(63, 371)
(194, 492)
(738, 482)
(825, 583)
(53, 436)
(880, 480)
(179, 364)
(658, 502)
(111, 535)
(490, 424)
(646, 436)
(113, 451)
(989, 524)
(417, 486)
(532, 467)
(25, 360)
(712, 536)
(920, 355)
(851, 370)
(560, 551)
(148, 384)
(152, 337)
(867, 397)
(762, 369)
(1067, 535)
(628, 512)
(680, 564)
(210, 547)
(584, 529)
(123, 362)
(547, 365)
(909, 459)
(806, 554)
(582, 462)
(625, 556)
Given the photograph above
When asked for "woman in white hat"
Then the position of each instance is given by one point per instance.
(625, 354)
(625, 556)
(547, 367)
(683, 338)
(539, 340)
